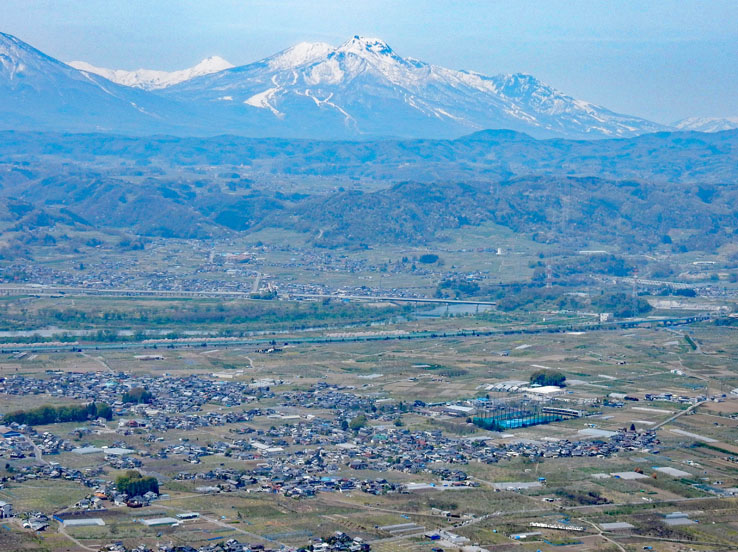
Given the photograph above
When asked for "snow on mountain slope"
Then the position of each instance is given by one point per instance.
(38, 92)
(149, 79)
(707, 124)
(363, 88)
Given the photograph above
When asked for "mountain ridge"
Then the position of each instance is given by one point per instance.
(361, 90)
(151, 79)
(684, 156)
(707, 124)
(39, 92)
(406, 98)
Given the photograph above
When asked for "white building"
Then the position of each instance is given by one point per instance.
(6, 510)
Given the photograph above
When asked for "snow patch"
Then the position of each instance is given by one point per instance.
(263, 100)
(298, 55)
(149, 79)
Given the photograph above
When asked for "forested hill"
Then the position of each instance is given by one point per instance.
(487, 155)
(632, 191)
(583, 210)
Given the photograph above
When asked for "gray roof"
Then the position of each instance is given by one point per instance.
(83, 522)
(615, 526)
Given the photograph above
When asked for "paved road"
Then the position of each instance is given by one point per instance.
(680, 413)
(36, 451)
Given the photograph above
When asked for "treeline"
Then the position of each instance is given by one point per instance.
(583, 264)
(621, 304)
(256, 313)
(560, 298)
(134, 484)
(59, 414)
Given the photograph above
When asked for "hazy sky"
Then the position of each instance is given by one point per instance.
(660, 59)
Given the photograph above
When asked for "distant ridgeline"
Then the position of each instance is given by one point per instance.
(649, 188)
(59, 414)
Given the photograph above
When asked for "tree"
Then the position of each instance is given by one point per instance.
(358, 422)
(133, 483)
(547, 377)
(428, 258)
(137, 395)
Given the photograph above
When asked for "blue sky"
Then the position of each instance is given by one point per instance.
(660, 59)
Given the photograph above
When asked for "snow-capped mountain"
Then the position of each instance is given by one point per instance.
(363, 88)
(707, 124)
(359, 90)
(38, 92)
(150, 79)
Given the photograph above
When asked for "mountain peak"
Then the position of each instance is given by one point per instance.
(361, 44)
(17, 57)
(7, 40)
(300, 54)
(360, 89)
(212, 64)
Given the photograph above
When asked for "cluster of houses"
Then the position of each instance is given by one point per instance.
(683, 399)
(230, 545)
(291, 484)
(285, 461)
(338, 542)
(328, 396)
(16, 445)
(304, 473)
(618, 400)
(89, 477)
(185, 394)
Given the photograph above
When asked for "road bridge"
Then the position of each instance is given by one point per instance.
(392, 298)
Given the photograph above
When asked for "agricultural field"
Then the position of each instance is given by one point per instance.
(267, 410)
